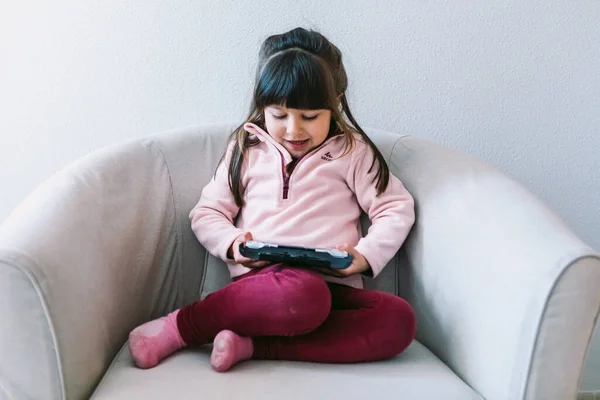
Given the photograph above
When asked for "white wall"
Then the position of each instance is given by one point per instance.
(515, 83)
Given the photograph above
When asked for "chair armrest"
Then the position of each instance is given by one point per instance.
(88, 256)
(506, 294)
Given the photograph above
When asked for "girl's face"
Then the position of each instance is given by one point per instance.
(299, 131)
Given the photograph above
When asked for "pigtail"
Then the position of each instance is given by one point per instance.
(242, 142)
(383, 171)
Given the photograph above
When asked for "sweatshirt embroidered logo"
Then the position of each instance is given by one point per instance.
(327, 156)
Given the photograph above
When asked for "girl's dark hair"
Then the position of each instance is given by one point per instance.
(300, 69)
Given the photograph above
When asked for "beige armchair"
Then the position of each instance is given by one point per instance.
(506, 294)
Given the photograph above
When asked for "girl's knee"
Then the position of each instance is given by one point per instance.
(402, 324)
(306, 299)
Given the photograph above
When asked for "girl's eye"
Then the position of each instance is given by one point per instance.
(304, 117)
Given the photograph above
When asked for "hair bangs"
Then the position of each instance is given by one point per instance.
(295, 79)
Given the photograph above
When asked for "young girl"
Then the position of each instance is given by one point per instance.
(295, 173)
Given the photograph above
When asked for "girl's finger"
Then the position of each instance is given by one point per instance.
(351, 250)
(258, 264)
(255, 264)
(351, 270)
(243, 260)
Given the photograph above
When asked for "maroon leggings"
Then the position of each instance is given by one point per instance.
(293, 314)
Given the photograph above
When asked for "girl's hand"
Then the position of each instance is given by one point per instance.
(358, 266)
(234, 252)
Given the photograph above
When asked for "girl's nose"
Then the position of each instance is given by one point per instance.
(294, 126)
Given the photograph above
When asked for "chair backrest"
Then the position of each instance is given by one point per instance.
(192, 155)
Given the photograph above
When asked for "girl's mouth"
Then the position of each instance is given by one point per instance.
(297, 144)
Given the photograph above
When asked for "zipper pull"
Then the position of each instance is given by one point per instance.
(286, 186)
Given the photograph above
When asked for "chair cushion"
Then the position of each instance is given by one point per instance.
(415, 374)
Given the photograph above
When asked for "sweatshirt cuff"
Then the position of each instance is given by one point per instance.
(371, 255)
(227, 242)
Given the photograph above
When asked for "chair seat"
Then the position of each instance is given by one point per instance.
(415, 374)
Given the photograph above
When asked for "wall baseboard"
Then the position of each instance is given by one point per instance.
(588, 396)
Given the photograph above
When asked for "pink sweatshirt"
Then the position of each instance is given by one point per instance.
(317, 205)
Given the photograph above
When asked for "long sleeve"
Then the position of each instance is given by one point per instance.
(212, 218)
(392, 213)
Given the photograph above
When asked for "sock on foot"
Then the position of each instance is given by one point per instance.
(229, 349)
(153, 341)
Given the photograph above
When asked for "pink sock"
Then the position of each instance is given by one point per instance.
(229, 349)
(151, 342)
